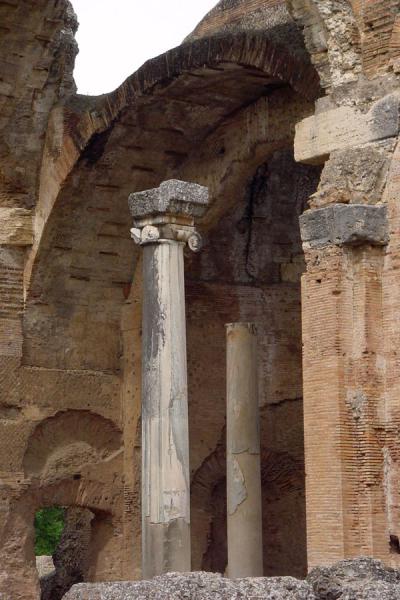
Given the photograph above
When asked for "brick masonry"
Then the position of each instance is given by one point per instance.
(254, 81)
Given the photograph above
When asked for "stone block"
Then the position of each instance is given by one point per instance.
(172, 197)
(345, 224)
(356, 177)
(344, 127)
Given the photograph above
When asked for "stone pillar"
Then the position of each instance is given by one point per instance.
(163, 225)
(245, 550)
(344, 247)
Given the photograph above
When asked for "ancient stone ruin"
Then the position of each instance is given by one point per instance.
(200, 306)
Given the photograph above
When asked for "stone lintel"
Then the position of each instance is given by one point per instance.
(345, 127)
(172, 197)
(345, 224)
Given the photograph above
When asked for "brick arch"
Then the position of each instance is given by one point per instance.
(72, 459)
(19, 567)
(78, 131)
(64, 444)
(130, 139)
(97, 485)
(280, 473)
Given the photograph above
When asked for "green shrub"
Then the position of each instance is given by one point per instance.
(49, 523)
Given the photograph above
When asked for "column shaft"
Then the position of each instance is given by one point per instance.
(165, 440)
(245, 551)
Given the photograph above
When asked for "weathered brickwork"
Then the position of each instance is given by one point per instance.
(288, 112)
(345, 371)
(343, 387)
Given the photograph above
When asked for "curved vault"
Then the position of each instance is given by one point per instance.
(98, 151)
(63, 445)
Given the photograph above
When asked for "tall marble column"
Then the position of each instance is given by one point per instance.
(163, 225)
(244, 519)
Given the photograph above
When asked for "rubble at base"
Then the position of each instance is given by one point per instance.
(196, 586)
(359, 579)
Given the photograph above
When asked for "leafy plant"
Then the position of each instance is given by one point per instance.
(49, 524)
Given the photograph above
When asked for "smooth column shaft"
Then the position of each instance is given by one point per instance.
(165, 438)
(244, 519)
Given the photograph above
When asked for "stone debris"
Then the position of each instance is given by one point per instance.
(196, 586)
(45, 566)
(359, 579)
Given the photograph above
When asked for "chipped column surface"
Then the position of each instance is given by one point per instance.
(245, 552)
(164, 223)
(165, 491)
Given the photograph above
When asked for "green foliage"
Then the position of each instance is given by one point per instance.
(49, 523)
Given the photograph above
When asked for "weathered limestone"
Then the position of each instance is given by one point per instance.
(331, 37)
(355, 176)
(358, 579)
(345, 127)
(164, 223)
(343, 224)
(245, 550)
(198, 585)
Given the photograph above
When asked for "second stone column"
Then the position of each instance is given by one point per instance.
(244, 519)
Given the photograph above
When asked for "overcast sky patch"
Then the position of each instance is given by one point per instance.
(116, 37)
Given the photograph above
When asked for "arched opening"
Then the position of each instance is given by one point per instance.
(72, 460)
(70, 547)
(250, 270)
(64, 533)
(89, 547)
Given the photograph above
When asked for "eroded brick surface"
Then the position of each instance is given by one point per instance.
(221, 110)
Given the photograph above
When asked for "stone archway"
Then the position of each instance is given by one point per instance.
(250, 269)
(64, 444)
(72, 459)
(72, 556)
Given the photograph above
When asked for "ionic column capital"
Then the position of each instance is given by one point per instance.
(167, 213)
(169, 232)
